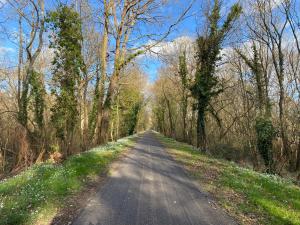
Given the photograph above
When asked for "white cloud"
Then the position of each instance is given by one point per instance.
(5, 50)
(276, 3)
(169, 48)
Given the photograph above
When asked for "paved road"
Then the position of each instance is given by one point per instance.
(150, 188)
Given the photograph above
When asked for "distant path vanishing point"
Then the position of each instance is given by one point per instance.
(149, 188)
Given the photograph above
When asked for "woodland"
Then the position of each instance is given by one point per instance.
(233, 92)
(77, 80)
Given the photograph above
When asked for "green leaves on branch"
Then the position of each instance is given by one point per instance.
(129, 58)
(208, 50)
(38, 93)
(132, 118)
(183, 71)
(32, 96)
(65, 23)
(265, 133)
(235, 12)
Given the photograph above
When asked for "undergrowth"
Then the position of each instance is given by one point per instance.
(35, 195)
(249, 196)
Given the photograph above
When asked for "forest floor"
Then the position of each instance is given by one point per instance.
(147, 186)
(250, 197)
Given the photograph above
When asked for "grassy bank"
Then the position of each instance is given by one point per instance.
(251, 197)
(35, 195)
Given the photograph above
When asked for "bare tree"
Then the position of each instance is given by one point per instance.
(269, 29)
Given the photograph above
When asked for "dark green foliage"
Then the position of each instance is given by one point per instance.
(33, 92)
(65, 24)
(183, 71)
(159, 113)
(38, 93)
(265, 133)
(65, 114)
(94, 111)
(23, 105)
(208, 49)
(132, 118)
(183, 74)
(257, 70)
(129, 59)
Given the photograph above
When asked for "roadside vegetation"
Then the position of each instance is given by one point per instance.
(37, 194)
(223, 77)
(249, 196)
(71, 83)
(233, 90)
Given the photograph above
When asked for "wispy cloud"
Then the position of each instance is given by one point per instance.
(168, 48)
(6, 50)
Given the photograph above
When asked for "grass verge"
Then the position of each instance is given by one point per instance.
(250, 197)
(37, 194)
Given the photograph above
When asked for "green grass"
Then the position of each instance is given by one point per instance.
(251, 197)
(35, 195)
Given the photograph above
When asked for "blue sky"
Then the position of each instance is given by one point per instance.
(187, 27)
(171, 12)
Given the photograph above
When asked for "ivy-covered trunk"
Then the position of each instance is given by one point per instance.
(265, 133)
(183, 73)
(184, 117)
(297, 167)
(206, 84)
(68, 66)
(104, 128)
(133, 117)
(107, 108)
(263, 125)
(94, 113)
(201, 133)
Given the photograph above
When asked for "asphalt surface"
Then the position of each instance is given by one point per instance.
(150, 188)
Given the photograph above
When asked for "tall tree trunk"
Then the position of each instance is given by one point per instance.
(280, 77)
(103, 67)
(298, 156)
(285, 147)
(83, 112)
(105, 120)
(201, 133)
(112, 91)
(172, 130)
(184, 113)
(117, 119)
(191, 132)
(170, 117)
(20, 63)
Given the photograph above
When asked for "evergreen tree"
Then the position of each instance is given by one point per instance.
(183, 74)
(208, 49)
(65, 24)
